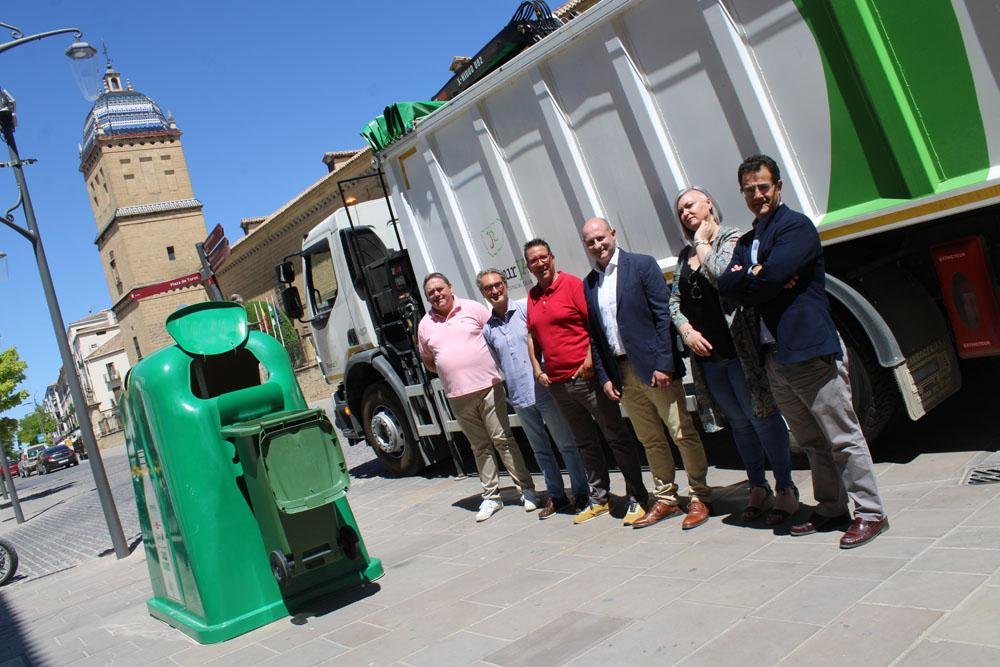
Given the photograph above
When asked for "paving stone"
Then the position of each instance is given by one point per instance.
(865, 634)
(640, 597)
(928, 467)
(768, 641)
(645, 642)
(927, 590)
(790, 551)
(748, 583)
(248, 655)
(888, 546)
(987, 516)
(971, 561)
(980, 537)
(931, 653)
(964, 497)
(558, 641)
(313, 652)
(356, 634)
(420, 632)
(816, 599)
(974, 621)
(569, 594)
(515, 587)
(924, 522)
(460, 649)
(696, 562)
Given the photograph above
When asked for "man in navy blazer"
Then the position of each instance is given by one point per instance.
(778, 267)
(635, 361)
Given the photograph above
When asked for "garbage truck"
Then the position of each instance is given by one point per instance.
(884, 117)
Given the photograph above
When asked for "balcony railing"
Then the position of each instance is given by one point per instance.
(113, 380)
(109, 422)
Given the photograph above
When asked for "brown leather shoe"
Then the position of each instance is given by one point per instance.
(818, 523)
(554, 506)
(863, 531)
(658, 512)
(697, 514)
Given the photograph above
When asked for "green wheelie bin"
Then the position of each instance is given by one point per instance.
(241, 488)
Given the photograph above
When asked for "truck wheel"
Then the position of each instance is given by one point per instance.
(874, 391)
(388, 431)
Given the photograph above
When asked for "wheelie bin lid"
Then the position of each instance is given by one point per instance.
(211, 327)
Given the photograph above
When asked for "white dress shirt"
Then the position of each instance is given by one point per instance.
(607, 301)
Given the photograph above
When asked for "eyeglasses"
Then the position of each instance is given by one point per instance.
(749, 190)
(497, 286)
(540, 259)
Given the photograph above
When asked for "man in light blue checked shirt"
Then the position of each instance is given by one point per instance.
(506, 334)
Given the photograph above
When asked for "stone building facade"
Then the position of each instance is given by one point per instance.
(148, 218)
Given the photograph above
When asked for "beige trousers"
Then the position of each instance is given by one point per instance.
(483, 418)
(649, 409)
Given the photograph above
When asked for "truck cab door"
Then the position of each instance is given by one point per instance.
(330, 316)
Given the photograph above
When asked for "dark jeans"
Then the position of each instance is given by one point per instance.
(754, 437)
(587, 409)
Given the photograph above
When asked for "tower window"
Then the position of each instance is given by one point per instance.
(128, 177)
(145, 159)
(164, 157)
(170, 253)
(135, 344)
(125, 160)
(168, 172)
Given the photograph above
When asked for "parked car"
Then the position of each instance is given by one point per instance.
(57, 457)
(12, 466)
(30, 459)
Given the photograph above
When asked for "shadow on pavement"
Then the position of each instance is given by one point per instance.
(329, 603)
(15, 648)
(42, 493)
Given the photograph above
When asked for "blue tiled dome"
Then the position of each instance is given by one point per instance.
(123, 113)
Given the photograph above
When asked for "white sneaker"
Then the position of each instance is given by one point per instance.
(488, 508)
(530, 501)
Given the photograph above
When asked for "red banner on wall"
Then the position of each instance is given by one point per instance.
(165, 286)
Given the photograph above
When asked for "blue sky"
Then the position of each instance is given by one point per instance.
(260, 90)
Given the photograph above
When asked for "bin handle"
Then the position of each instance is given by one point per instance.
(249, 403)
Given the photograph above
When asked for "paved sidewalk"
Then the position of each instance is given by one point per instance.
(518, 591)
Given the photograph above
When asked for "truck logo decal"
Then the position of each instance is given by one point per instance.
(493, 237)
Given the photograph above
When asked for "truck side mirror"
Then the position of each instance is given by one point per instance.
(291, 303)
(285, 272)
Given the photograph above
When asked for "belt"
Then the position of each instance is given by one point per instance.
(621, 357)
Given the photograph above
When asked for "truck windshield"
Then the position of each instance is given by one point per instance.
(321, 279)
(362, 247)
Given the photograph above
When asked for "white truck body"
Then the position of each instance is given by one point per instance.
(884, 118)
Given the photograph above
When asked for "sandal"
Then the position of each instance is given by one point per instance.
(786, 503)
(759, 496)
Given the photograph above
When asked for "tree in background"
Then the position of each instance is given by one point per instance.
(11, 375)
(36, 422)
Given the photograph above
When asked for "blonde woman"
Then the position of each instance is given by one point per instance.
(721, 336)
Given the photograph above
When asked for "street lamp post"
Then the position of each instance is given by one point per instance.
(77, 50)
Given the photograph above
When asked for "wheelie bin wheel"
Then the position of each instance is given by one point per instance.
(280, 568)
(348, 541)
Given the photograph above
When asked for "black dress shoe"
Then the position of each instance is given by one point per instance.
(863, 531)
(818, 523)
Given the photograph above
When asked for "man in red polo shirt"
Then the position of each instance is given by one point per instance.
(452, 345)
(557, 324)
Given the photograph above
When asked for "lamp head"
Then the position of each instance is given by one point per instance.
(80, 50)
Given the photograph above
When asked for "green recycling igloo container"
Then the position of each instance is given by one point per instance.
(240, 486)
